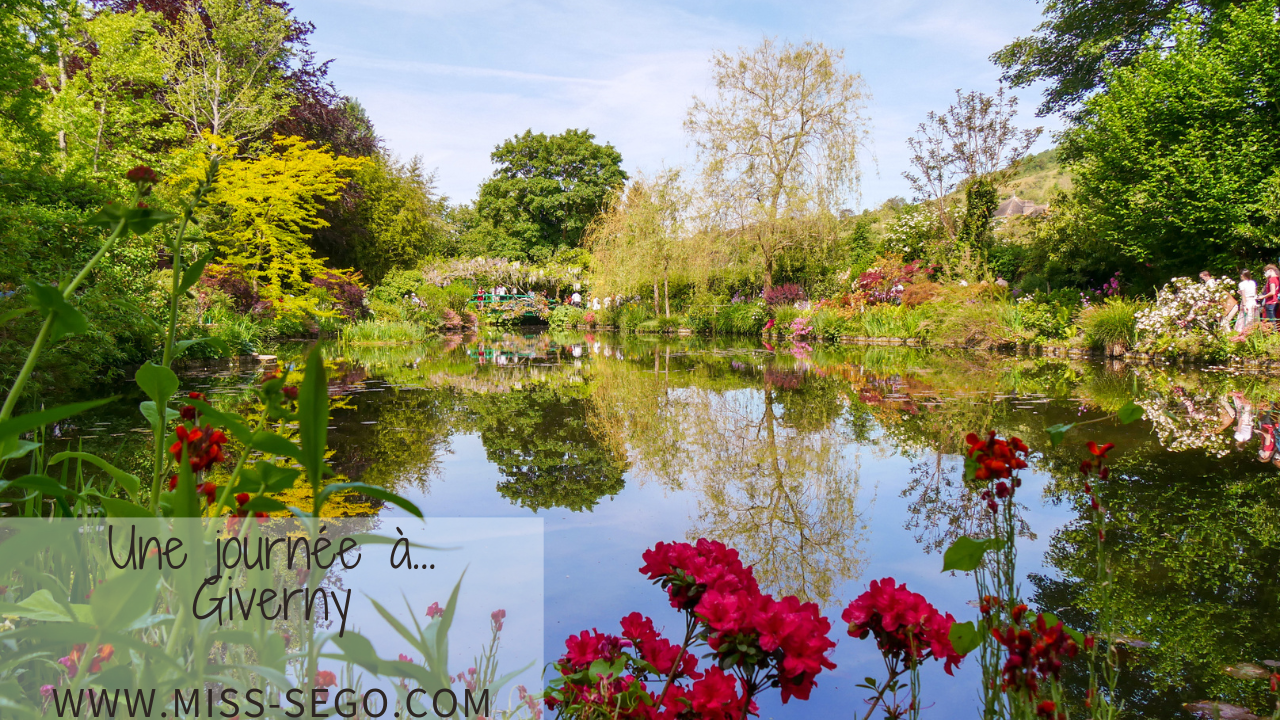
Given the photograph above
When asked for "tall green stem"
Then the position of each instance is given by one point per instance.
(47, 329)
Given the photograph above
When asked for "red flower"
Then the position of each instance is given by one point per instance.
(1099, 451)
(142, 174)
(188, 412)
(203, 446)
(907, 627)
(193, 395)
(325, 679)
(290, 392)
(435, 611)
(496, 617)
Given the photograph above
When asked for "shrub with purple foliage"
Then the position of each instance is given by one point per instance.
(345, 290)
(232, 282)
(788, 294)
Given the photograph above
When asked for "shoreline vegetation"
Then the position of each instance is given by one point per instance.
(316, 229)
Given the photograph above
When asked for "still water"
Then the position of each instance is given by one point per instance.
(826, 468)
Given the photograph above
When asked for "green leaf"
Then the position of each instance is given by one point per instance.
(191, 275)
(264, 504)
(313, 420)
(372, 491)
(1130, 412)
(965, 637)
(232, 422)
(142, 219)
(108, 217)
(128, 481)
(39, 606)
(273, 444)
(67, 320)
(182, 345)
(15, 313)
(148, 408)
(123, 508)
(266, 477)
(22, 447)
(125, 598)
(965, 554)
(1057, 432)
(158, 382)
(39, 483)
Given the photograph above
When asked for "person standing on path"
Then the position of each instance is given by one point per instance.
(1270, 293)
(1248, 314)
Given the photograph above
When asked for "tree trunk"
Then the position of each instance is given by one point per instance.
(666, 294)
(655, 297)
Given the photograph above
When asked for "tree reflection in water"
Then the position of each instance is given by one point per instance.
(768, 444)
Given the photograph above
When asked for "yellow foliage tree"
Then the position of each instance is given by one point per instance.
(270, 205)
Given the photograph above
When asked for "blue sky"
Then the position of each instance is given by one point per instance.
(450, 80)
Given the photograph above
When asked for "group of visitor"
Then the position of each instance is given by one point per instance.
(1252, 305)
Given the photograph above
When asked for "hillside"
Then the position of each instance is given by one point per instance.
(1040, 178)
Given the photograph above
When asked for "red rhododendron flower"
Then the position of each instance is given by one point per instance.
(907, 627)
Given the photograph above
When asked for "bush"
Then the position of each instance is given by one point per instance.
(919, 293)
(788, 294)
(630, 316)
(782, 316)
(232, 282)
(589, 318)
(888, 278)
(739, 319)
(1114, 322)
(344, 291)
(890, 321)
(566, 316)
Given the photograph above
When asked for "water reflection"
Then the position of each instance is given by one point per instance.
(770, 452)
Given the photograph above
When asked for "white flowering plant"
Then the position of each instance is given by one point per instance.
(1187, 310)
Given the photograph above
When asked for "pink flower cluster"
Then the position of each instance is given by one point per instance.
(756, 642)
(787, 636)
(907, 628)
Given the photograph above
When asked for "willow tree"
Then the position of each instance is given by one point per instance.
(640, 238)
(780, 145)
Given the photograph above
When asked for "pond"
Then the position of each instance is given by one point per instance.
(826, 468)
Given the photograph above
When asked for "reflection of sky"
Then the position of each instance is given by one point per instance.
(592, 561)
(503, 561)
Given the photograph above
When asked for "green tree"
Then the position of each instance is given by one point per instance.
(1173, 158)
(389, 218)
(641, 240)
(225, 64)
(1079, 39)
(269, 206)
(780, 145)
(545, 192)
(107, 114)
(29, 33)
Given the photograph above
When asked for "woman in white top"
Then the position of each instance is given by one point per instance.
(1248, 314)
